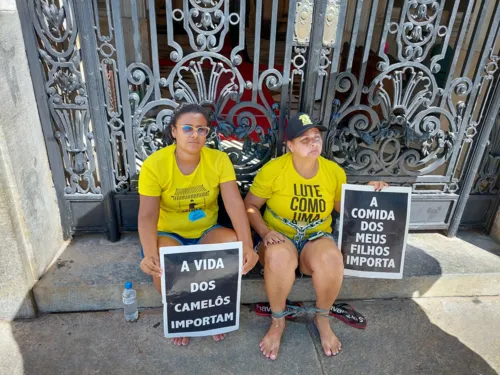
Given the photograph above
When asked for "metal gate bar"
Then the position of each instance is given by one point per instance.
(475, 162)
(85, 19)
(487, 53)
(313, 63)
(124, 92)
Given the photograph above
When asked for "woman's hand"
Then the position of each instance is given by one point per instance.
(151, 266)
(250, 259)
(272, 238)
(378, 185)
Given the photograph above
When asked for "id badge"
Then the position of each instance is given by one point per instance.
(196, 215)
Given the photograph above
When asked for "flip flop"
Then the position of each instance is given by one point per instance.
(264, 309)
(348, 315)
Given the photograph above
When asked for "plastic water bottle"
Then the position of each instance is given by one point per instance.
(130, 303)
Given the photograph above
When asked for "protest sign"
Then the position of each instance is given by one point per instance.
(373, 230)
(201, 287)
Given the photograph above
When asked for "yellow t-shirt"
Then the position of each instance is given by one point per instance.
(293, 197)
(188, 205)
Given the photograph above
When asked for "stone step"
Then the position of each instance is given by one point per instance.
(90, 273)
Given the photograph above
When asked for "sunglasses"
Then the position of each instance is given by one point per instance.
(189, 130)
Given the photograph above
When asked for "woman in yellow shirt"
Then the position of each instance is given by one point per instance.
(300, 190)
(179, 186)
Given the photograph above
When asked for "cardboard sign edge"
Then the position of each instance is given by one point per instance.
(390, 189)
(200, 248)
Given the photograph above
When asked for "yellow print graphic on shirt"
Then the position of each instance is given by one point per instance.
(191, 198)
(307, 204)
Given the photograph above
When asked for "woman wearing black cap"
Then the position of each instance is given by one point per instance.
(300, 190)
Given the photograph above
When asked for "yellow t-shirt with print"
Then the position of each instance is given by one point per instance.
(293, 197)
(188, 205)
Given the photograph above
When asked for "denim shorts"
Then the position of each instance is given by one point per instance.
(184, 241)
(298, 244)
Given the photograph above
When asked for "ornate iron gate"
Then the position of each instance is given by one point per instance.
(484, 200)
(409, 90)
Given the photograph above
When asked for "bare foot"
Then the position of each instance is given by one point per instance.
(183, 341)
(270, 344)
(180, 341)
(220, 337)
(330, 342)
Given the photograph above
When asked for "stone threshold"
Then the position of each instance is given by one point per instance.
(89, 274)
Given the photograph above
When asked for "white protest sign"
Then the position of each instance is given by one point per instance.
(201, 286)
(373, 230)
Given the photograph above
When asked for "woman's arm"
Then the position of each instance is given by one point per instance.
(337, 206)
(149, 211)
(253, 205)
(236, 211)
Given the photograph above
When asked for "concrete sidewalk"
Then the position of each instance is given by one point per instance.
(419, 336)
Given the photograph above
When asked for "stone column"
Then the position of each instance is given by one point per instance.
(495, 228)
(30, 224)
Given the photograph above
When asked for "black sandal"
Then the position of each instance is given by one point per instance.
(348, 315)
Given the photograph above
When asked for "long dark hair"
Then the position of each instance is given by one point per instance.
(178, 112)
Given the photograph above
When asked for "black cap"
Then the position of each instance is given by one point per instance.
(299, 124)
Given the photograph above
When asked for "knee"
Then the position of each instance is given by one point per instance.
(279, 258)
(228, 235)
(328, 260)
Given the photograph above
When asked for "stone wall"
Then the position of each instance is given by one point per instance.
(30, 226)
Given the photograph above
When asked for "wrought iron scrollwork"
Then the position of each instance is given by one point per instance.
(149, 117)
(400, 120)
(109, 75)
(55, 27)
(418, 28)
(245, 129)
